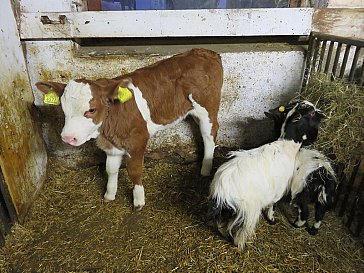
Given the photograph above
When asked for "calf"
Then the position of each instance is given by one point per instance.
(314, 180)
(255, 179)
(124, 112)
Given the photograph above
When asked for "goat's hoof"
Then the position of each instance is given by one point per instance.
(299, 224)
(138, 208)
(312, 231)
(107, 200)
(272, 222)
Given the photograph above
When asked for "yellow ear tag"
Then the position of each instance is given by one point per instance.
(51, 98)
(124, 94)
(281, 109)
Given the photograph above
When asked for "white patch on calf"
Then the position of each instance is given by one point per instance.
(138, 195)
(75, 102)
(113, 162)
(208, 140)
(142, 105)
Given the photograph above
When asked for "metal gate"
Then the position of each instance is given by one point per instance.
(342, 58)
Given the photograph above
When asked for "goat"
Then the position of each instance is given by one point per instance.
(314, 179)
(255, 179)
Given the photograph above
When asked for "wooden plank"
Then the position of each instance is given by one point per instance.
(339, 21)
(23, 156)
(168, 23)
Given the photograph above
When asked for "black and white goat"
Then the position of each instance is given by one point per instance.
(314, 180)
(255, 179)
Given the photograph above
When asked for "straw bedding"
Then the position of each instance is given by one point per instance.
(71, 229)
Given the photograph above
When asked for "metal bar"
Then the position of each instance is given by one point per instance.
(353, 65)
(356, 201)
(328, 58)
(340, 177)
(349, 188)
(308, 61)
(316, 46)
(343, 40)
(322, 55)
(345, 60)
(361, 74)
(336, 61)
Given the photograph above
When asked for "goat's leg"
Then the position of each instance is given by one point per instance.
(269, 214)
(302, 216)
(113, 162)
(320, 211)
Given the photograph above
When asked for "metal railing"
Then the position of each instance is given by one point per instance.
(342, 58)
(325, 53)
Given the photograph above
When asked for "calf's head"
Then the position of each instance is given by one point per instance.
(301, 123)
(302, 108)
(85, 105)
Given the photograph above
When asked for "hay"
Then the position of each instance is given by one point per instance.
(72, 230)
(342, 132)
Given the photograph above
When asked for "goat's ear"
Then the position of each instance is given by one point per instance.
(269, 115)
(315, 118)
(296, 116)
(46, 87)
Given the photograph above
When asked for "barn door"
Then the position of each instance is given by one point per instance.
(22, 151)
(7, 210)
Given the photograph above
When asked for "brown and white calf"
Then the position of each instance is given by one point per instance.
(163, 94)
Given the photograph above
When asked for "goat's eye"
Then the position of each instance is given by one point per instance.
(92, 110)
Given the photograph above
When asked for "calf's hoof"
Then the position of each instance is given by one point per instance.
(108, 198)
(138, 208)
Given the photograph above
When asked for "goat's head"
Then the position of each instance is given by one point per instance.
(298, 120)
(85, 105)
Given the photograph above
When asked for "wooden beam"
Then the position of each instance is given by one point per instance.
(167, 23)
(340, 22)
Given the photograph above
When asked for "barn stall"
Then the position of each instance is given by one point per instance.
(53, 192)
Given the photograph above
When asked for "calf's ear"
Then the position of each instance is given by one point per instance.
(46, 87)
(122, 92)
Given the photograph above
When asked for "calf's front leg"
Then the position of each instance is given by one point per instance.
(134, 166)
(113, 162)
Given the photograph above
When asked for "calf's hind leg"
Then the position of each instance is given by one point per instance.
(208, 129)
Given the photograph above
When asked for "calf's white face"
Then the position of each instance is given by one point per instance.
(75, 102)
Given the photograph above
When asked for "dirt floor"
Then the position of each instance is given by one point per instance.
(71, 229)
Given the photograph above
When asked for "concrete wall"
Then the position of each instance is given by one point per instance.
(22, 151)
